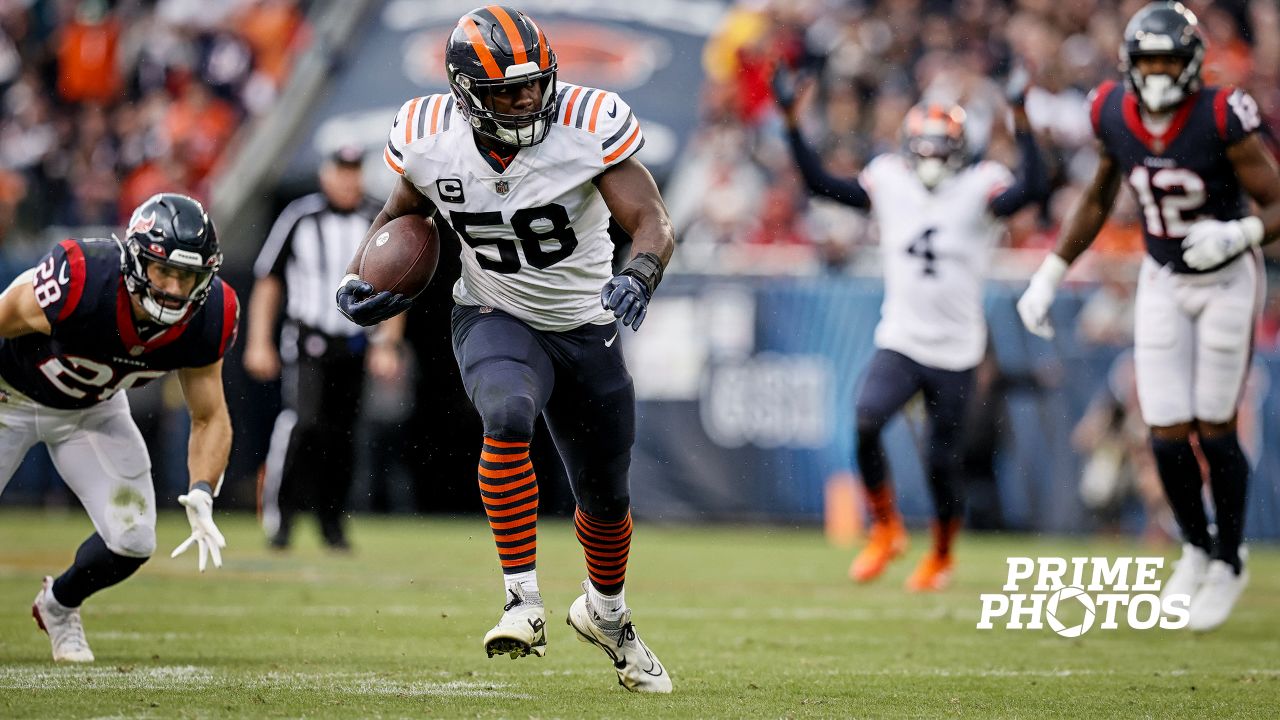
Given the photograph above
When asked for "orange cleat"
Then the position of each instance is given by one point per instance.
(932, 574)
(888, 540)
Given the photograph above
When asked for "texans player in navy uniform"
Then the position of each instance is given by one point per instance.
(94, 318)
(1187, 152)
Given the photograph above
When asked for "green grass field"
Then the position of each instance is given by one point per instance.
(751, 622)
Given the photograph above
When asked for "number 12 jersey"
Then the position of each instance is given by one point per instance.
(535, 240)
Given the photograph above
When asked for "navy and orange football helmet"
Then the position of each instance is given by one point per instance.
(495, 47)
(934, 141)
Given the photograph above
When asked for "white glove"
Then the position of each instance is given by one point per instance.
(1212, 242)
(1033, 306)
(199, 504)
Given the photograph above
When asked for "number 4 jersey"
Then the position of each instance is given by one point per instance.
(535, 240)
(935, 247)
(95, 347)
(1182, 174)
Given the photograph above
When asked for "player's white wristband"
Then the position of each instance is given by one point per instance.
(1051, 271)
(1253, 230)
(346, 279)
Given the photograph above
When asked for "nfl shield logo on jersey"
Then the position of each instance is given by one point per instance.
(502, 187)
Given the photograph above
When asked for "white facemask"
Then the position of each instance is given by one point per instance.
(932, 171)
(521, 136)
(162, 314)
(1158, 92)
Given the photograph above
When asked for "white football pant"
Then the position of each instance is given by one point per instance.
(1193, 339)
(101, 456)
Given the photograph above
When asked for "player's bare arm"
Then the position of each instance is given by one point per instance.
(210, 443)
(207, 453)
(1260, 177)
(632, 196)
(403, 200)
(1091, 210)
(1078, 232)
(20, 313)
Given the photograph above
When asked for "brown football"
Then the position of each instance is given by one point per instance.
(402, 256)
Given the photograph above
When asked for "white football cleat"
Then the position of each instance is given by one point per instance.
(639, 670)
(1188, 573)
(66, 633)
(1212, 605)
(521, 630)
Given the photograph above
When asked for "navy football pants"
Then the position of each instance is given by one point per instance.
(576, 378)
(891, 379)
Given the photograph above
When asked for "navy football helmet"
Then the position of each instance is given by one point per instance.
(174, 231)
(1163, 29)
(495, 47)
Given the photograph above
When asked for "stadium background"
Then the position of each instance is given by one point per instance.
(747, 366)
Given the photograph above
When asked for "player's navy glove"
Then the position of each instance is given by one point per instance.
(786, 86)
(1210, 243)
(206, 536)
(628, 298)
(363, 306)
(627, 293)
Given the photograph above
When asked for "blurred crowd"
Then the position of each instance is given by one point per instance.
(871, 61)
(103, 103)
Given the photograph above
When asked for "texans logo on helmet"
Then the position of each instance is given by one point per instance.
(143, 224)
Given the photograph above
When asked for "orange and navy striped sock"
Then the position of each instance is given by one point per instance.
(509, 489)
(605, 545)
(881, 503)
(944, 535)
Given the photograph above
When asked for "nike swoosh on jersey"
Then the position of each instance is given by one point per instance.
(613, 111)
(609, 342)
(62, 275)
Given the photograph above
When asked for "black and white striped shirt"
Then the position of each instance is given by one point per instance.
(309, 248)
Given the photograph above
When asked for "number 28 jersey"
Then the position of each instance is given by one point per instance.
(535, 240)
(95, 348)
(1182, 175)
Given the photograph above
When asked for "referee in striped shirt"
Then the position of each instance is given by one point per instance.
(321, 356)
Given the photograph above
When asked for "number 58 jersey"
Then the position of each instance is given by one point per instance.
(535, 240)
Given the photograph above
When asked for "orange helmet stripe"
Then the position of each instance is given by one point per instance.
(518, 52)
(544, 55)
(482, 51)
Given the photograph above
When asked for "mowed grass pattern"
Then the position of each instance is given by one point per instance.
(750, 621)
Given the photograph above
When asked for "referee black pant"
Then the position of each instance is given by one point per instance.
(312, 455)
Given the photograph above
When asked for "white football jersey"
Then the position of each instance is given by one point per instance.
(936, 248)
(535, 240)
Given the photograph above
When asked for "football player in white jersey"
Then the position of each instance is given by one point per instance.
(527, 171)
(939, 217)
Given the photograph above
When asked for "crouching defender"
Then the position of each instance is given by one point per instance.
(95, 318)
